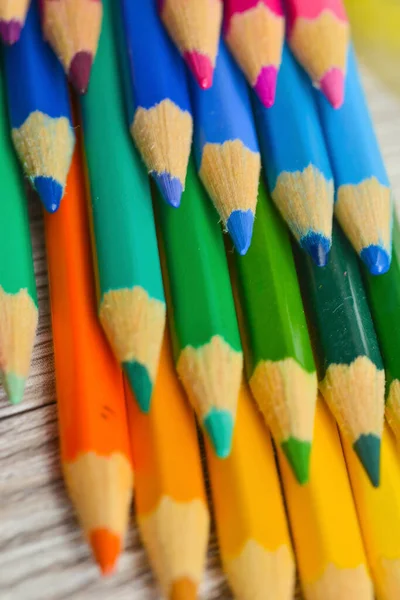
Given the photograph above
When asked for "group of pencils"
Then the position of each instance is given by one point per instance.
(292, 334)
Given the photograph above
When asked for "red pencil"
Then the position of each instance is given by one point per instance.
(12, 19)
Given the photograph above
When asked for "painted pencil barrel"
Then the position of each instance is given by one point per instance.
(12, 19)
(39, 111)
(201, 311)
(171, 504)
(363, 203)
(296, 161)
(131, 297)
(326, 534)
(160, 116)
(226, 149)
(279, 362)
(351, 375)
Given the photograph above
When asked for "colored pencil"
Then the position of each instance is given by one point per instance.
(319, 35)
(379, 515)
(72, 27)
(351, 374)
(384, 301)
(160, 115)
(250, 516)
(202, 317)
(94, 437)
(39, 110)
(226, 149)
(296, 161)
(131, 297)
(12, 19)
(326, 534)
(18, 301)
(364, 203)
(194, 26)
(254, 31)
(279, 364)
(171, 503)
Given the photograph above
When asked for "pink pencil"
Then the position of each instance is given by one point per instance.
(254, 31)
(319, 34)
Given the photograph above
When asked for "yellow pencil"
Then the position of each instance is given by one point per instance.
(251, 523)
(327, 539)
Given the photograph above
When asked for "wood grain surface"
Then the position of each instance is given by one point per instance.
(42, 553)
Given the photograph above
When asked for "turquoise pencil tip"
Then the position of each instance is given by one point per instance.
(317, 246)
(368, 450)
(50, 192)
(376, 259)
(140, 382)
(170, 188)
(219, 426)
(240, 227)
(14, 386)
(298, 454)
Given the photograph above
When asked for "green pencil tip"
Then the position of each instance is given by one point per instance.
(219, 426)
(14, 386)
(140, 382)
(298, 454)
(368, 450)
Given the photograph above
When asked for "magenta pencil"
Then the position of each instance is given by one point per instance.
(319, 35)
(254, 31)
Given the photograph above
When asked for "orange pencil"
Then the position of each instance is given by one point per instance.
(12, 19)
(171, 505)
(95, 450)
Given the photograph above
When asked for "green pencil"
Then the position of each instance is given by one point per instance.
(131, 297)
(384, 297)
(279, 361)
(201, 311)
(18, 301)
(351, 375)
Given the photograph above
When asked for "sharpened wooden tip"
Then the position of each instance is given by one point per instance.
(183, 589)
(106, 547)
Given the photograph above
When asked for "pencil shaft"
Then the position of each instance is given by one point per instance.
(12, 19)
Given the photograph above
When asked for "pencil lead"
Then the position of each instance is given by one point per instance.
(106, 547)
(240, 228)
(14, 387)
(79, 71)
(298, 454)
(317, 246)
(376, 259)
(50, 192)
(201, 67)
(183, 589)
(265, 86)
(140, 383)
(368, 450)
(219, 426)
(332, 86)
(10, 31)
(170, 188)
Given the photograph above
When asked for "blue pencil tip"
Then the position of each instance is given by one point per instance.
(219, 426)
(376, 259)
(240, 228)
(317, 246)
(140, 383)
(50, 192)
(170, 188)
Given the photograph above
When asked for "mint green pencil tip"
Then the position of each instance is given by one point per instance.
(298, 454)
(140, 383)
(14, 386)
(219, 426)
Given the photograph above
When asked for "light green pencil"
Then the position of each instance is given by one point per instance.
(131, 297)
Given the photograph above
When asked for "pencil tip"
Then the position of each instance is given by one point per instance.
(317, 246)
(265, 86)
(368, 450)
(376, 259)
(240, 227)
(170, 188)
(219, 426)
(298, 454)
(106, 547)
(50, 192)
(201, 67)
(332, 86)
(10, 31)
(183, 589)
(140, 382)
(14, 387)
(79, 71)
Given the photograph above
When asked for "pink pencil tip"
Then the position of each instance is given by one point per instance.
(201, 67)
(265, 86)
(79, 71)
(10, 31)
(332, 86)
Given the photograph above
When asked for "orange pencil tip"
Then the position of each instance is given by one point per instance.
(79, 71)
(183, 589)
(106, 547)
(332, 86)
(201, 67)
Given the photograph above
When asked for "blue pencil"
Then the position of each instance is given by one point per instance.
(39, 110)
(364, 204)
(160, 115)
(296, 161)
(226, 148)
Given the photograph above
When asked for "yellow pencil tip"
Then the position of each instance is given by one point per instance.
(106, 547)
(183, 589)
